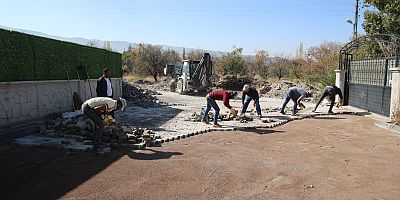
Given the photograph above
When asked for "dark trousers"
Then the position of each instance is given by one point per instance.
(325, 93)
(98, 122)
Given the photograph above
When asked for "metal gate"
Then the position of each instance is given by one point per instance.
(368, 80)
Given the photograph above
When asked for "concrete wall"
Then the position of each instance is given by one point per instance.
(30, 100)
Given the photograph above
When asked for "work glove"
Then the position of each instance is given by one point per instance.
(108, 120)
(233, 112)
(302, 106)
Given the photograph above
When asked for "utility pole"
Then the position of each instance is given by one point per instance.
(355, 25)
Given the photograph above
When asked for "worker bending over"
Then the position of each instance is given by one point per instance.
(98, 107)
(331, 91)
(221, 95)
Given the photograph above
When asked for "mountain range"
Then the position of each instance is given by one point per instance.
(118, 46)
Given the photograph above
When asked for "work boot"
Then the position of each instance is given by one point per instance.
(330, 112)
(217, 126)
(283, 112)
(259, 116)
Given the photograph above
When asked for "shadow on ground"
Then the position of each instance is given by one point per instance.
(262, 131)
(33, 173)
(150, 154)
(328, 117)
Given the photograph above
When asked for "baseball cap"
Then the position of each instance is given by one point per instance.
(246, 87)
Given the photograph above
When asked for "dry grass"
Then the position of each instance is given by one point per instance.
(133, 78)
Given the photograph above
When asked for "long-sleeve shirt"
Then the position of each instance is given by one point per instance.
(334, 90)
(96, 102)
(252, 93)
(296, 93)
(221, 95)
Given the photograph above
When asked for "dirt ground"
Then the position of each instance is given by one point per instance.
(331, 157)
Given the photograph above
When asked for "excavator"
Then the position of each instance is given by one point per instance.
(190, 75)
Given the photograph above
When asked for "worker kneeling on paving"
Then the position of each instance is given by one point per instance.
(295, 94)
(221, 95)
(249, 94)
(98, 108)
(330, 91)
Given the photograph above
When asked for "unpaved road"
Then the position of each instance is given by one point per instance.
(332, 157)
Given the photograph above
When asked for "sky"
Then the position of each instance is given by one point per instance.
(220, 25)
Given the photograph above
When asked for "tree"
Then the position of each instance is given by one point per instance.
(325, 56)
(383, 17)
(149, 60)
(171, 56)
(297, 68)
(127, 60)
(195, 54)
(280, 66)
(323, 60)
(232, 63)
(260, 64)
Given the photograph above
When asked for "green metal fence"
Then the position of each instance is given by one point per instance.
(26, 57)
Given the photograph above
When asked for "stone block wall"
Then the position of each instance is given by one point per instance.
(24, 101)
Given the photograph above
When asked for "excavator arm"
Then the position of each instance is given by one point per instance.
(203, 72)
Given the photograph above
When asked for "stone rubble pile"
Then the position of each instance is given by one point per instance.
(139, 96)
(278, 90)
(233, 82)
(223, 117)
(163, 85)
(82, 129)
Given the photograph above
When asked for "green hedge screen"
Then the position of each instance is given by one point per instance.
(26, 57)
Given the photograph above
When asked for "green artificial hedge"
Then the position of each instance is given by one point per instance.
(26, 57)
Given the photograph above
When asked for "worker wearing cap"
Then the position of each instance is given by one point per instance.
(249, 94)
(295, 94)
(331, 91)
(221, 95)
(96, 107)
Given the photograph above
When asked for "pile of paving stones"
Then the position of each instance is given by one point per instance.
(195, 117)
(139, 96)
(82, 129)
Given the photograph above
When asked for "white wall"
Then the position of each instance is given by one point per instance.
(29, 100)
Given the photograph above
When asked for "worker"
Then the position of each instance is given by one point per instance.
(98, 107)
(221, 95)
(331, 91)
(296, 94)
(249, 94)
(104, 85)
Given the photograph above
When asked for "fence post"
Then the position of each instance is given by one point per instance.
(340, 80)
(395, 93)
